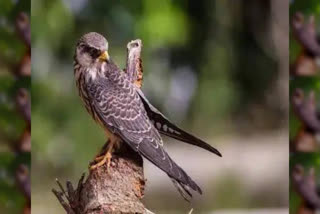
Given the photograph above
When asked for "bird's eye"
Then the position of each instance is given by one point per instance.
(95, 53)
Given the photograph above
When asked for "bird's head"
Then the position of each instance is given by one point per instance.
(92, 48)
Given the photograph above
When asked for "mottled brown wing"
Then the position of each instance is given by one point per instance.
(134, 63)
(164, 126)
(123, 113)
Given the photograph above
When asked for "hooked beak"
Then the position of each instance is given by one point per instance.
(104, 56)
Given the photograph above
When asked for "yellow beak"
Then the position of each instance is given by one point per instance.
(104, 56)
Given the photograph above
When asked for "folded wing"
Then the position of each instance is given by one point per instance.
(123, 113)
(164, 126)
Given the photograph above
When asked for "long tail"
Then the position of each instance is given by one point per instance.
(183, 189)
(161, 159)
(164, 126)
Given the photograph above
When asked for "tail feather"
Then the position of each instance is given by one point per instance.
(161, 159)
(183, 190)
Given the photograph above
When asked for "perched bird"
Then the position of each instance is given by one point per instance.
(125, 114)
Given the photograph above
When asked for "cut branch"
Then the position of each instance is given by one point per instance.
(118, 188)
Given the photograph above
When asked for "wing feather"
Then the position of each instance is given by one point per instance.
(125, 115)
(164, 126)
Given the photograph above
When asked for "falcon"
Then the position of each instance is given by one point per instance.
(125, 114)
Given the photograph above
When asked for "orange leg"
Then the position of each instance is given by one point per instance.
(105, 157)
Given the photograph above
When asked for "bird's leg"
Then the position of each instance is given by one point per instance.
(103, 150)
(105, 157)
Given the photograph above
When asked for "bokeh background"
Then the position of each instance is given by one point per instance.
(304, 75)
(219, 69)
(15, 141)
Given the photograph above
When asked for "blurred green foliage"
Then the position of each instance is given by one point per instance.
(11, 123)
(307, 84)
(206, 66)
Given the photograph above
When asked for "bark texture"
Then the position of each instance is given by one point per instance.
(120, 188)
(117, 190)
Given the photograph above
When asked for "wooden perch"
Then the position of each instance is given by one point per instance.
(117, 190)
(121, 188)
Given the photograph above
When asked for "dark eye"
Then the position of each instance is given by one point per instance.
(94, 53)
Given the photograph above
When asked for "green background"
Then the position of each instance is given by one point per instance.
(213, 67)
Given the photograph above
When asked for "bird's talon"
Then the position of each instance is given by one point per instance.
(99, 158)
(108, 157)
(101, 161)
